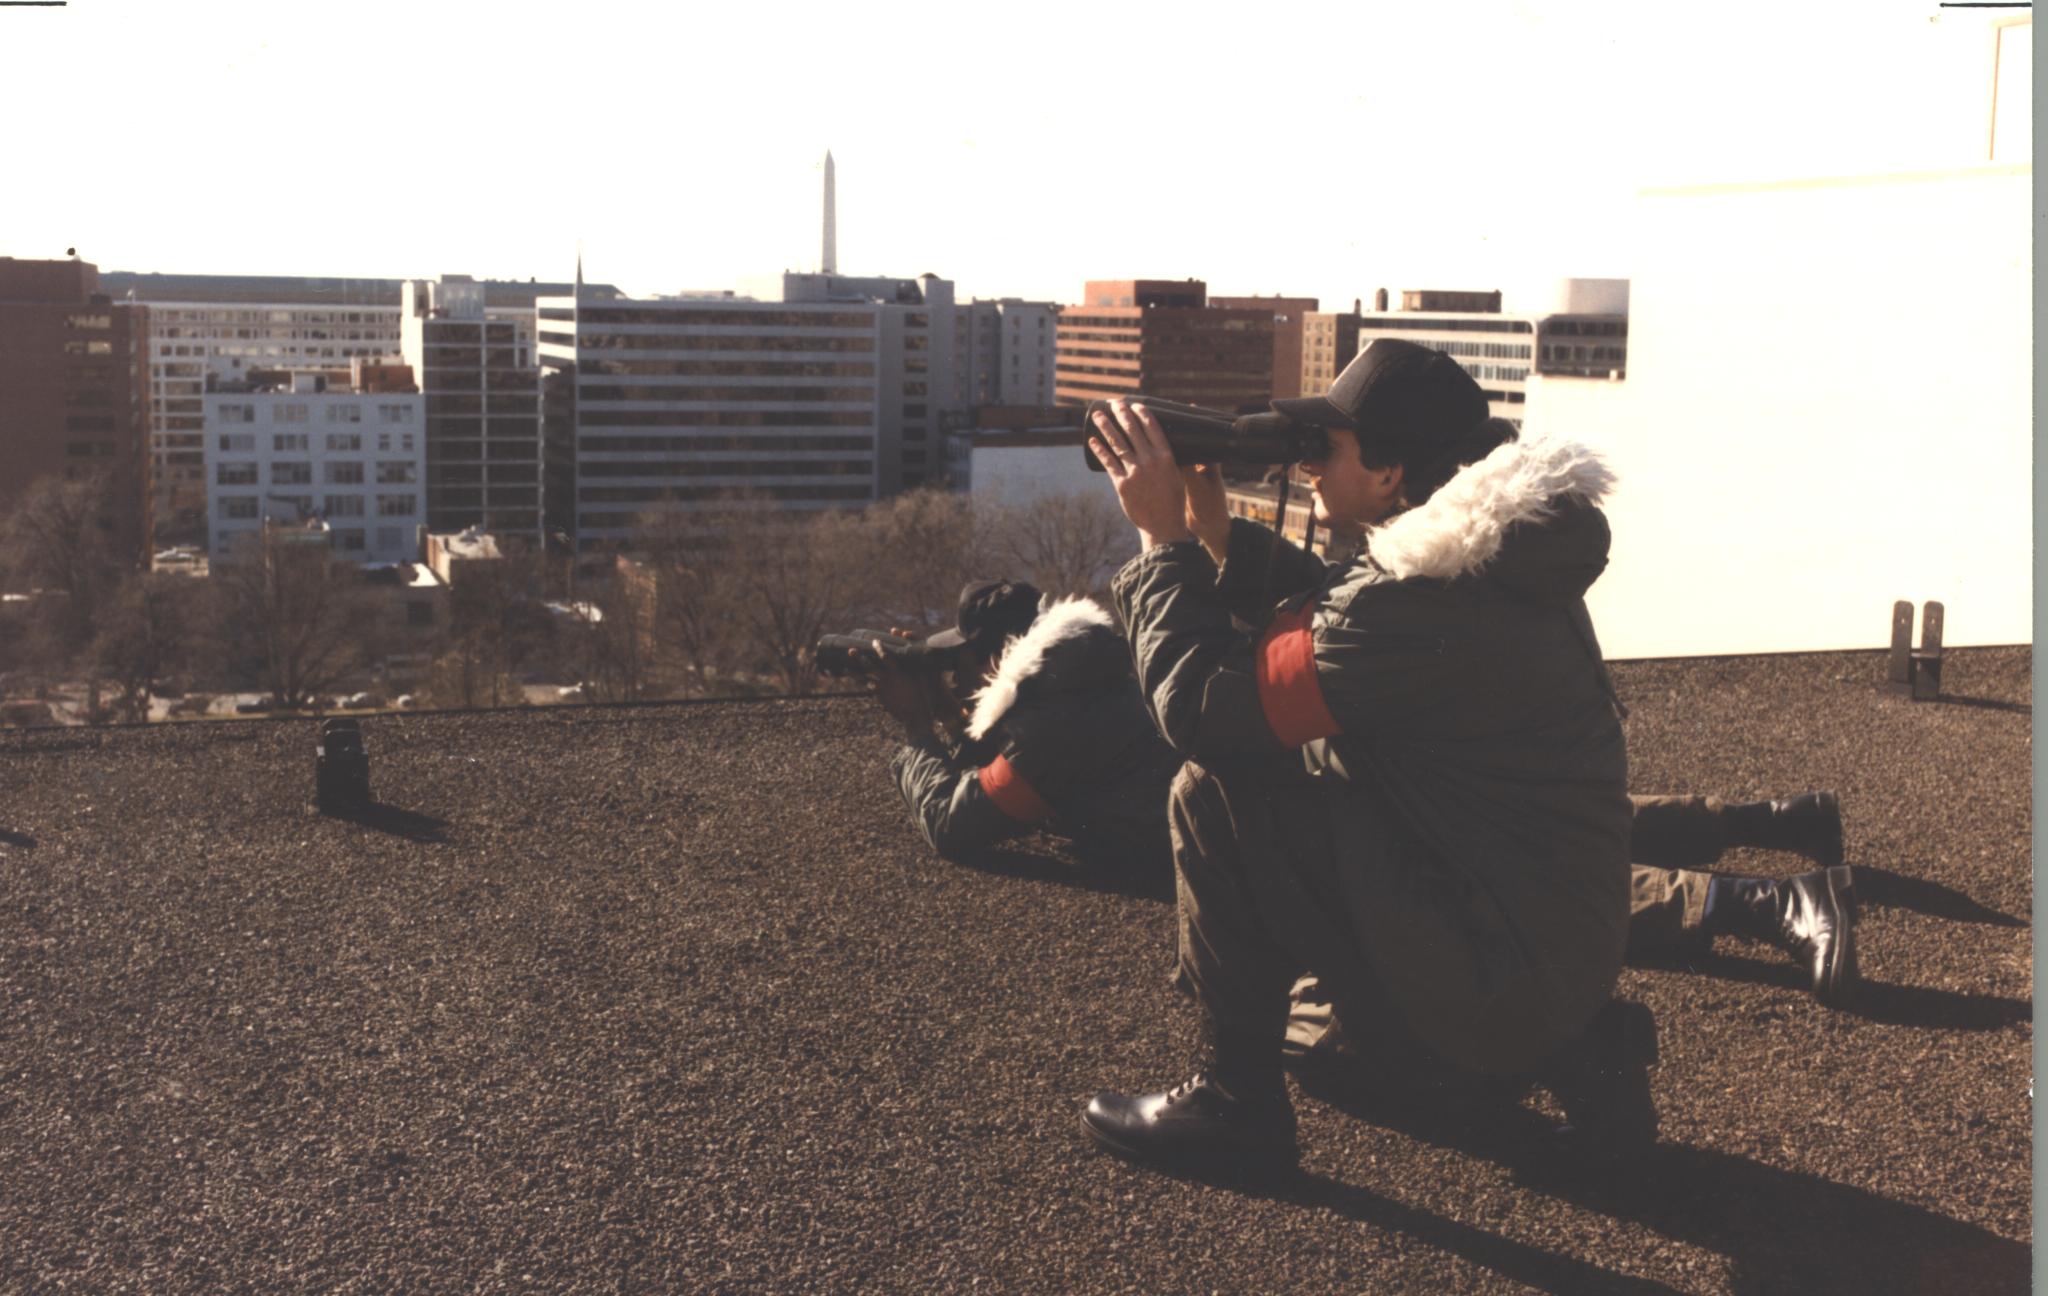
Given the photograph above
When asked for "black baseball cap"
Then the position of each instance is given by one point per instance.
(1402, 389)
(991, 611)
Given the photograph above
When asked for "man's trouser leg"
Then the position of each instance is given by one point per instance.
(1670, 838)
(1259, 905)
(1238, 971)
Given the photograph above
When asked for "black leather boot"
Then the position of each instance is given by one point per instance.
(1603, 1081)
(1233, 1113)
(1811, 916)
(1197, 1124)
(1809, 824)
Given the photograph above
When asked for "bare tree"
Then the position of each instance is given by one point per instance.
(790, 577)
(612, 643)
(496, 622)
(914, 551)
(301, 613)
(142, 638)
(61, 541)
(690, 614)
(1064, 544)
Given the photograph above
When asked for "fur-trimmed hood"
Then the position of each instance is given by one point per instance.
(1527, 514)
(1073, 642)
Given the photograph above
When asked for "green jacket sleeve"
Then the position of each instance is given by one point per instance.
(1196, 670)
(947, 801)
(1260, 569)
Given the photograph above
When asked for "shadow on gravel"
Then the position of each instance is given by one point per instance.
(1877, 1001)
(22, 840)
(1985, 704)
(1878, 886)
(1136, 884)
(1781, 1229)
(409, 824)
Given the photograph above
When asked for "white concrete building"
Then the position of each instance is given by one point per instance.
(1004, 352)
(354, 460)
(192, 342)
(830, 398)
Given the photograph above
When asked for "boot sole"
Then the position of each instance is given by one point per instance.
(1188, 1157)
(1831, 858)
(1839, 977)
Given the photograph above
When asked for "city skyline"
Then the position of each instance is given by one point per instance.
(687, 155)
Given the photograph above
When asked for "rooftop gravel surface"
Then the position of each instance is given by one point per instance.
(673, 998)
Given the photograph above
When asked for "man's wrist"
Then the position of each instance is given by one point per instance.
(1153, 539)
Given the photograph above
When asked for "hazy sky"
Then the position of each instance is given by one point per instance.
(1317, 149)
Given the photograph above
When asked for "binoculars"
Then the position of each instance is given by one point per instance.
(1199, 435)
(852, 654)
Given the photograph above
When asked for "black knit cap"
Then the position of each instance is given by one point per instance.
(991, 611)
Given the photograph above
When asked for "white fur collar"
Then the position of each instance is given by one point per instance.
(1022, 657)
(1458, 530)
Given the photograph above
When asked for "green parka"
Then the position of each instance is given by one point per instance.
(1059, 741)
(1446, 695)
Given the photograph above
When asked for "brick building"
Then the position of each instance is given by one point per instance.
(1163, 338)
(1290, 314)
(74, 388)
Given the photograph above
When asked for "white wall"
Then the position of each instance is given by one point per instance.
(1828, 407)
(1020, 474)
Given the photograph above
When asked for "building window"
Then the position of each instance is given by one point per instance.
(394, 413)
(242, 507)
(348, 540)
(397, 505)
(289, 412)
(238, 442)
(341, 442)
(237, 413)
(396, 471)
(290, 442)
(344, 506)
(235, 474)
(291, 474)
(342, 474)
(344, 413)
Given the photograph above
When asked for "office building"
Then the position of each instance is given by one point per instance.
(1290, 317)
(74, 389)
(1329, 341)
(312, 453)
(1004, 352)
(1161, 338)
(830, 398)
(479, 372)
(1583, 331)
(218, 327)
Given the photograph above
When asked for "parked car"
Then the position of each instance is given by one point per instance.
(27, 712)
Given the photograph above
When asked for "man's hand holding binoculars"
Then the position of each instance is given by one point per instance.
(915, 699)
(1164, 500)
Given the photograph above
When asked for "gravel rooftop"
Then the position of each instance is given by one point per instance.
(672, 998)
